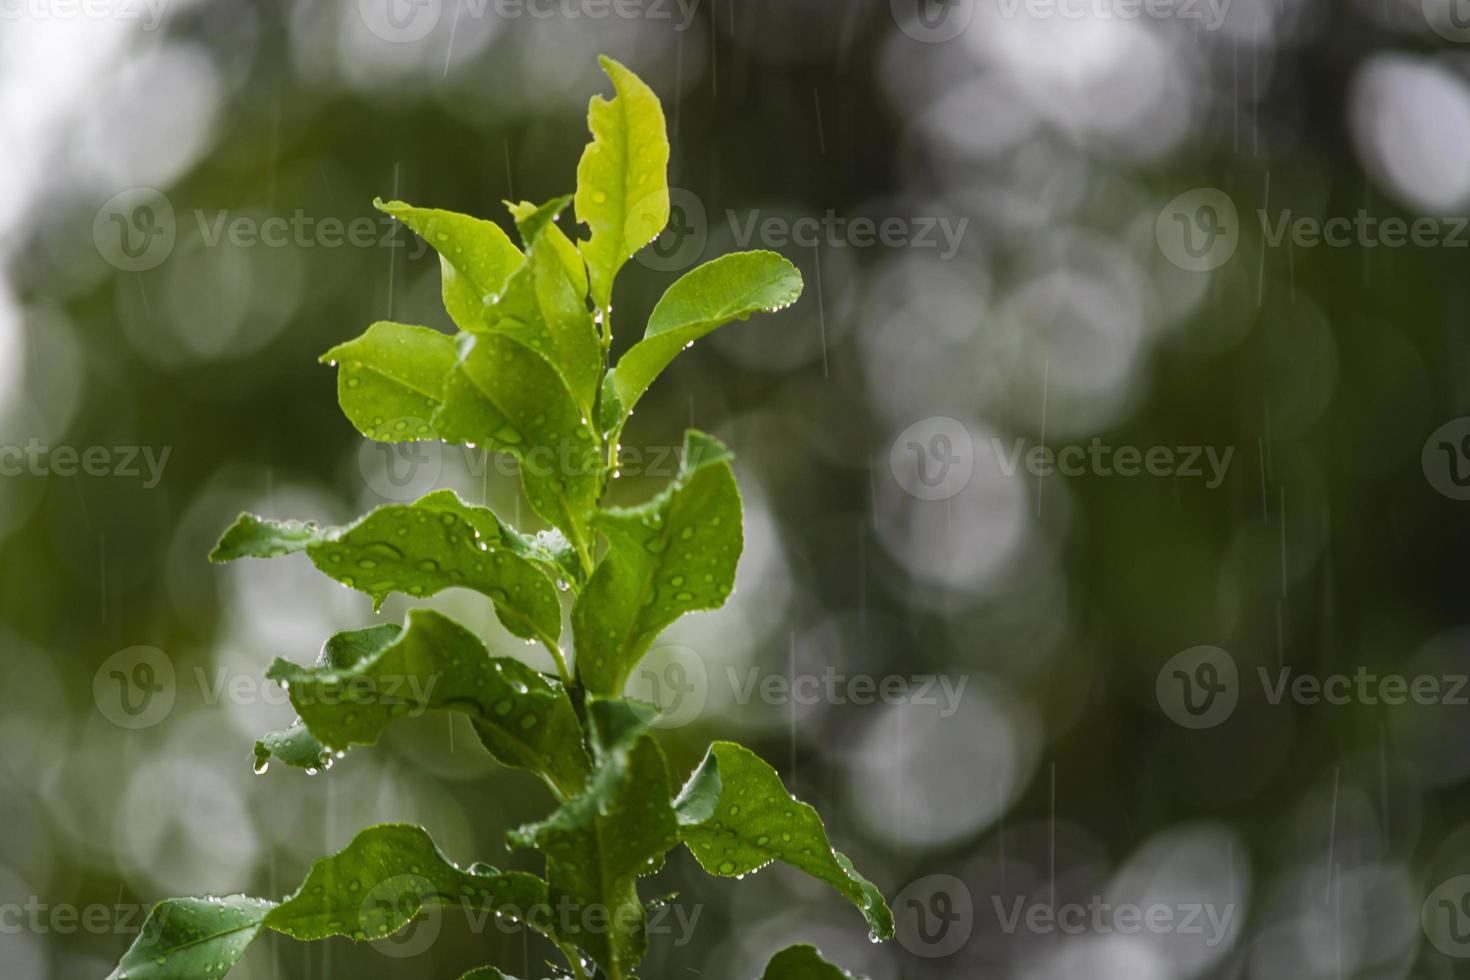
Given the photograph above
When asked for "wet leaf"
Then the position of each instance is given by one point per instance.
(544, 307)
(296, 746)
(728, 288)
(673, 555)
(622, 179)
(475, 257)
(524, 719)
(600, 842)
(436, 543)
(188, 938)
(802, 963)
(737, 817)
(369, 890)
(390, 379)
(503, 396)
(379, 882)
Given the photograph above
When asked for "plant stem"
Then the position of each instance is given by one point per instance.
(561, 660)
(574, 960)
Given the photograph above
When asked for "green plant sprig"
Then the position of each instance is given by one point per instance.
(528, 374)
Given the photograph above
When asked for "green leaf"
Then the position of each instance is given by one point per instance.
(343, 650)
(528, 218)
(802, 963)
(622, 178)
(188, 938)
(389, 379)
(371, 889)
(524, 719)
(550, 551)
(475, 257)
(503, 396)
(737, 817)
(600, 842)
(486, 973)
(296, 746)
(543, 308)
(380, 881)
(673, 555)
(533, 220)
(729, 288)
(436, 543)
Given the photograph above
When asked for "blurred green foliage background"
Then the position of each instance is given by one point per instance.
(1084, 210)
